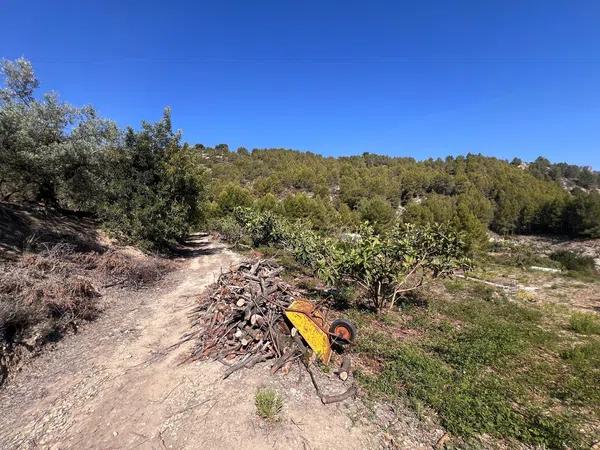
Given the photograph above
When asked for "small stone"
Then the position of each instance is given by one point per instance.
(115, 434)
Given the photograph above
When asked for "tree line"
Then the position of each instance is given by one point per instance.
(474, 193)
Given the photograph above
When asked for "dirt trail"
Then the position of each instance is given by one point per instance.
(117, 385)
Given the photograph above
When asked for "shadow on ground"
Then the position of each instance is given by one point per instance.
(196, 245)
(28, 226)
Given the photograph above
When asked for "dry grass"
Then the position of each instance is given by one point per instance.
(118, 267)
(44, 293)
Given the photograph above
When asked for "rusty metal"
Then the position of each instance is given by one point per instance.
(315, 329)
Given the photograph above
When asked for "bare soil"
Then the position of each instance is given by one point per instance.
(119, 383)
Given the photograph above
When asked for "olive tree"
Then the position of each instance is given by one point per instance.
(49, 150)
(154, 187)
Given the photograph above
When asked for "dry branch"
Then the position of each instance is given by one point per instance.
(240, 321)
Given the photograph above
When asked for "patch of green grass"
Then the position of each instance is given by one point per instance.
(584, 323)
(468, 402)
(487, 367)
(523, 258)
(455, 285)
(483, 344)
(474, 289)
(268, 404)
(472, 309)
(581, 383)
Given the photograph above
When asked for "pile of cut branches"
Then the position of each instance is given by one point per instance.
(240, 322)
(240, 318)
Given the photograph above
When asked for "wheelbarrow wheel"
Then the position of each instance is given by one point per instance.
(342, 332)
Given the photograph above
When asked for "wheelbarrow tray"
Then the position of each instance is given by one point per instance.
(311, 325)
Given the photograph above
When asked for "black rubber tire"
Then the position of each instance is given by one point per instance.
(349, 326)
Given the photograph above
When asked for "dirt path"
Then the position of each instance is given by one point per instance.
(117, 385)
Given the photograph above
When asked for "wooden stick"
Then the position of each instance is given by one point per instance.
(327, 399)
(350, 392)
(344, 368)
(280, 362)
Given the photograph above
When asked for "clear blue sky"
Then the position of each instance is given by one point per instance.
(421, 78)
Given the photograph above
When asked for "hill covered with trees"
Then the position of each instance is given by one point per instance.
(473, 192)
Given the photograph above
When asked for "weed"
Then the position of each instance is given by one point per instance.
(523, 258)
(525, 296)
(455, 285)
(268, 404)
(308, 284)
(584, 323)
(581, 383)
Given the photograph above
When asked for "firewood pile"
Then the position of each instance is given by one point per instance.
(240, 318)
(240, 322)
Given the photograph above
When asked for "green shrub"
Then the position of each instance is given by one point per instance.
(377, 211)
(307, 247)
(229, 229)
(400, 261)
(574, 262)
(268, 404)
(385, 266)
(584, 323)
(233, 196)
(263, 228)
(154, 187)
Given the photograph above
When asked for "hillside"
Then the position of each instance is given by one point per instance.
(474, 192)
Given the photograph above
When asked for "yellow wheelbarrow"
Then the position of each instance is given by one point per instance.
(316, 331)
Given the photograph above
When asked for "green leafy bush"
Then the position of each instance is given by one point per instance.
(233, 196)
(384, 265)
(229, 229)
(263, 228)
(401, 260)
(154, 187)
(575, 262)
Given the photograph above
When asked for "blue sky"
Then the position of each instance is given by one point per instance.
(422, 79)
